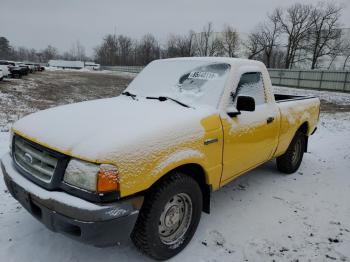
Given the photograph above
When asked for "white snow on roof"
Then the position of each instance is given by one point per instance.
(229, 60)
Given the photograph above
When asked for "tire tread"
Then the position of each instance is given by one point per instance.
(284, 163)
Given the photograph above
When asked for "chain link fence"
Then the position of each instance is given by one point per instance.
(312, 79)
(128, 69)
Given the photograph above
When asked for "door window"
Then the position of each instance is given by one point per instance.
(251, 84)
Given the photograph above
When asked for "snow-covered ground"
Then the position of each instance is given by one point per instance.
(87, 70)
(262, 216)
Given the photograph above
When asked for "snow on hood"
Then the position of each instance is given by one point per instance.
(99, 130)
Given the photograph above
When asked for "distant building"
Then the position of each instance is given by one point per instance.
(66, 64)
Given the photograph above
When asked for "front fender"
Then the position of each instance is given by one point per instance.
(177, 159)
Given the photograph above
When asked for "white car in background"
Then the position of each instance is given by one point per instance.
(5, 70)
(31, 67)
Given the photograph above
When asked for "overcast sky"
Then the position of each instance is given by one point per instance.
(37, 23)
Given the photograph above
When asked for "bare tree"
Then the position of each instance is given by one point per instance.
(263, 42)
(22, 53)
(345, 52)
(230, 41)
(206, 43)
(115, 50)
(66, 56)
(76, 52)
(296, 24)
(148, 49)
(125, 49)
(179, 46)
(49, 53)
(325, 34)
(71, 54)
(5, 48)
(172, 48)
(270, 32)
(215, 47)
(338, 49)
(202, 40)
(81, 55)
(277, 58)
(107, 52)
(253, 45)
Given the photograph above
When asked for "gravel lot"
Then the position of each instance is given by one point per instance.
(19, 97)
(261, 216)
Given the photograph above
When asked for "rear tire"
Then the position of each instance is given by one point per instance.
(290, 161)
(169, 217)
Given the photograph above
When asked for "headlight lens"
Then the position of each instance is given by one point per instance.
(81, 174)
(92, 177)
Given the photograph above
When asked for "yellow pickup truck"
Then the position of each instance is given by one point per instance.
(143, 164)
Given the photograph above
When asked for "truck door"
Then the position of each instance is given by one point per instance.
(251, 137)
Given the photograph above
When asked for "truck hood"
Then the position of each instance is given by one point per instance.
(105, 129)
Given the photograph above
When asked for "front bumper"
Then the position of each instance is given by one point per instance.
(96, 224)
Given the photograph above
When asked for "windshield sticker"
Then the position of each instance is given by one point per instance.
(203, 75)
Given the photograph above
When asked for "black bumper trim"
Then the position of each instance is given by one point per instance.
(101, 232)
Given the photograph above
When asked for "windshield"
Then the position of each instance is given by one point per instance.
(193, 82)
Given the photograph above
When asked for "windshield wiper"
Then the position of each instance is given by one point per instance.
(164, 98)
(127, 93)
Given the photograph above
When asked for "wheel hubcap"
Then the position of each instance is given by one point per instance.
(175, 219)
(172, 217)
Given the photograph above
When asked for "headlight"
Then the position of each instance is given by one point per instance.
(92, 177)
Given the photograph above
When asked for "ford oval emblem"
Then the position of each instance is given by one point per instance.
(28, 158)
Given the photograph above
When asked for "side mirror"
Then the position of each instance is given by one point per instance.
(245, 103)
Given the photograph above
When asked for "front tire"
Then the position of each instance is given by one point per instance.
(169, 217)
(290, 161)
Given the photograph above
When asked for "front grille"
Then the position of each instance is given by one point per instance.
(34, 160)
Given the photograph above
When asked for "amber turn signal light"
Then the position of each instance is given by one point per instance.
(107, 179)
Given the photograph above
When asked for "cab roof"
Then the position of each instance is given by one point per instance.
(229, 60)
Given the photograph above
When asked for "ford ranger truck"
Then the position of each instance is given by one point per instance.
(144, 164)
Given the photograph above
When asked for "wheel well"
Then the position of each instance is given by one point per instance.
(304, 129)
(197, 172)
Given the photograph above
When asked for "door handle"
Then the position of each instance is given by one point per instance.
(270, 120)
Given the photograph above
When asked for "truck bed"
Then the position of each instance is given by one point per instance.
(284, 98)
